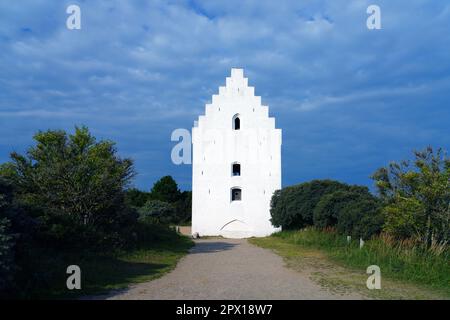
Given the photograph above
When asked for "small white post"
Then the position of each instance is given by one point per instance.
(361, 243)
(349, 238)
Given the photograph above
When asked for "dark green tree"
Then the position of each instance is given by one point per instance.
(75, 183)
(360, 218)
(7, 242)
(16, 230)
(354, 211)
(156, 211)
(416, 195)
(292, 207)
(165, 189)
(328, 209)
(183, 207)
(136, 198)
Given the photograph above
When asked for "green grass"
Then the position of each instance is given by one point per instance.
(102, 273)
(402, 265)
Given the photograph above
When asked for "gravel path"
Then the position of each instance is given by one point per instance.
(229, 269)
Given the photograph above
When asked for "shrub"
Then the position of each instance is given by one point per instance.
(7, 263)
(354, 211)
(417, 196)
(157, 211)
(136, 198)
(292, 207)
(7, 240)
(74, 186)
(361, 218)
(16, 233)
(330, 206)
(183, 207)
(171, 205)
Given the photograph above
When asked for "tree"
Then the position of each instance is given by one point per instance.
(157, 211)
(417, 196)
(16, 229)
(328, 209)
(165, 189)
(292, 207)
(360, 217)
(75, 183)
(183, 207)
(7, 242)
(136, 198)
(353, 211)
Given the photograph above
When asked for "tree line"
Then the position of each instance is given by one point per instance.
(165, 203)
(70, 193)
(412, 202)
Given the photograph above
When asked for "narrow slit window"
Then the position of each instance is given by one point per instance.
(236, 169)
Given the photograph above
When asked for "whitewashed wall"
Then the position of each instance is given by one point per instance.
(216, 146)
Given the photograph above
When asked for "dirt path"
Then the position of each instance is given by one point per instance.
(230, 269)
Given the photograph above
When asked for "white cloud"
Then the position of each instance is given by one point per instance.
(149, 66)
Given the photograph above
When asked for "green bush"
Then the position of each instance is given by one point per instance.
(183, 207)
(136, 198)
(292, 207)
(166, 190)
(74, 187)
(157, 211)
(17, 230)
(354, 211)
(7, 263)
(7, 239)
(416, 194)
(66, 200)
(165, 203)
(361, 218)
(330, 206)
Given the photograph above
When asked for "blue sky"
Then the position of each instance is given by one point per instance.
(348, 99)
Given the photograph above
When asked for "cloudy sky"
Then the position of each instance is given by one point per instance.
(348, 99)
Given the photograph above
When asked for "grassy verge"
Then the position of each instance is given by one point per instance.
(104, 272)
(407, 272)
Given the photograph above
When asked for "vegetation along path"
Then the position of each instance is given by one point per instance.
(219, 268)
(232, 269)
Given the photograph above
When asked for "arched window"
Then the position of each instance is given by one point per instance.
(236, 122)
(236, 169)
(236, 194)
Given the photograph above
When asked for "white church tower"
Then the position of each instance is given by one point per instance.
(236, 163)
